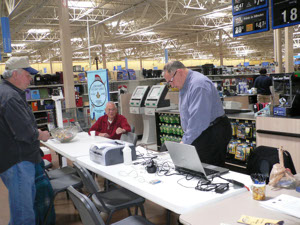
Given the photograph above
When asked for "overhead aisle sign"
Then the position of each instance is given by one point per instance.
(285, 13)
(250, 23)
(243, 6)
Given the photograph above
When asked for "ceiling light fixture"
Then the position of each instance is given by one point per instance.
(76, 39)
(80, 4)
(38, 31)
(216, 15)
(18, 45)
(121, 23)
(147, 33)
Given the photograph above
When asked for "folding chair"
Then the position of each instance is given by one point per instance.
(90, 216)
(129, 137)
(112, 200)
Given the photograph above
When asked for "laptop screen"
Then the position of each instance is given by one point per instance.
(184, 156)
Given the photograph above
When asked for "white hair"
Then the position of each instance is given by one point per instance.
(8, 73)
(111, 102)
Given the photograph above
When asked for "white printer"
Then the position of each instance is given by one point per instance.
(110, 152)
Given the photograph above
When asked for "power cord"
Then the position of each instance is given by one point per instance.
(234, 182)
(207, 185)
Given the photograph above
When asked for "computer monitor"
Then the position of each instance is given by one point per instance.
(156, 97)
(138, 93)
(155, 92)
(139, 96)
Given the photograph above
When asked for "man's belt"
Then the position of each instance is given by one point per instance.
(217, 120)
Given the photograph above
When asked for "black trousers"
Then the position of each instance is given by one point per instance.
(212, 144)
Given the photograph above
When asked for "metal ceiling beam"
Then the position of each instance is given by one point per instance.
(168, 23)
(16, 8)
(140, 3)
(29, 16)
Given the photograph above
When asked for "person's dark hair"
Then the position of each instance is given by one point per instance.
(263, 71)
(174, 65)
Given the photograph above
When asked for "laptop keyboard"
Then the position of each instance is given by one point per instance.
(195, 173)
(209, 171)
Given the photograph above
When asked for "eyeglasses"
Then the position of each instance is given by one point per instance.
(171, 80)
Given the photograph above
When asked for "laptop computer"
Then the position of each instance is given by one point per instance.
(187, 160)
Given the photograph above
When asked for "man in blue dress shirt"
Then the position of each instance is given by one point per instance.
(203, 120)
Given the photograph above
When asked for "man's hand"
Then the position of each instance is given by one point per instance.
(43, 135)
(104, 135)
(120, 130)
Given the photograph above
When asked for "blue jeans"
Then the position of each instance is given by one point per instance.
(19, 180)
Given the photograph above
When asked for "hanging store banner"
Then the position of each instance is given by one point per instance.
(98, 90)
(126, 63)
(285, 13)
(6, 34)
(243, 6)
(166, 56)
(250, 23)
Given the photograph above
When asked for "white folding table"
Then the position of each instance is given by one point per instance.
(77, 147)
(168, 193)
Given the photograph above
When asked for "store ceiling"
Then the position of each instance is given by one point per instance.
(189, 29)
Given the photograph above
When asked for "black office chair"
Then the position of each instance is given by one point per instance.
(129, 137)
(262, 159)
(111, 200)
(90, 216)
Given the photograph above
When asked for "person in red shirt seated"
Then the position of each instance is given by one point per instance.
(111, 125)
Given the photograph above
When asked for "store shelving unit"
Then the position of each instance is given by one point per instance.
(44, 105)
(83, 93)
(240, 124)
(168, 128)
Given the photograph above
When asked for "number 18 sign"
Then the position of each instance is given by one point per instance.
(285, 13)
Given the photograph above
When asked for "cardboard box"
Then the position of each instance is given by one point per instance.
(77, 68)
(114, 75)
(41, 105)
(132, 75)
(125, 75)
(28, 94)
(34, 106)
(35, 94)
(81, 77)
(49, 104)
(44, 93)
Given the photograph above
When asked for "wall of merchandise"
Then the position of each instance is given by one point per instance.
(242, 143)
